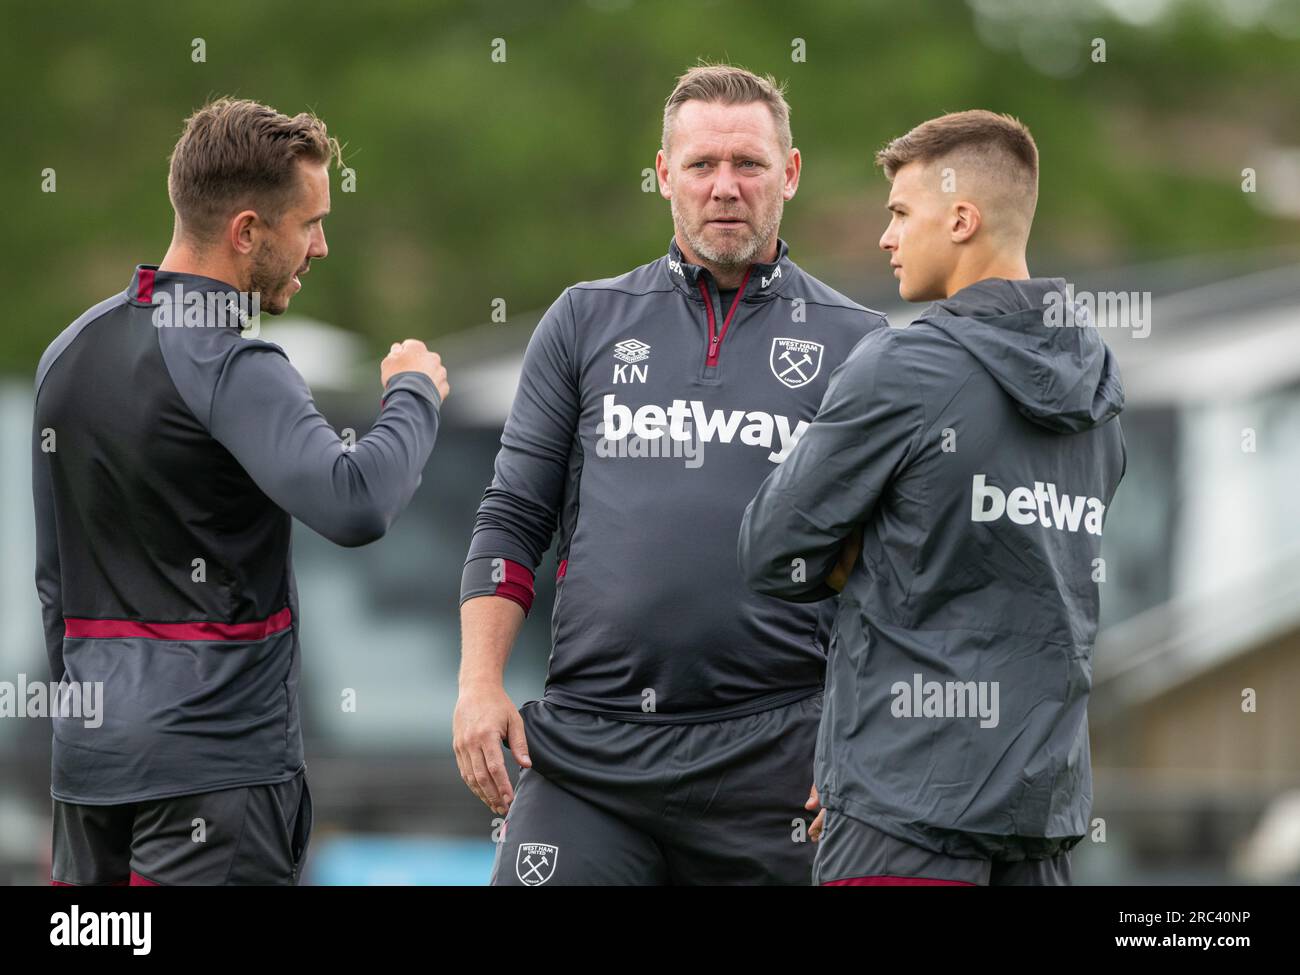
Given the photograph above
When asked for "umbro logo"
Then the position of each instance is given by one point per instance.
(631, 350)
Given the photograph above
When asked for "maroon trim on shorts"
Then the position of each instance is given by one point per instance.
(882, 880)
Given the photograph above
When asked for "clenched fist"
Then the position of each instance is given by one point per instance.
(413, 356)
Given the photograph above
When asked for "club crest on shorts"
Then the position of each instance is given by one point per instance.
(535, 863)
(795, 362)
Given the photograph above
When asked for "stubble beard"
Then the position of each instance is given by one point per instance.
(269, 279)
(742, 252)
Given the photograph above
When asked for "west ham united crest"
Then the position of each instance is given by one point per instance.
(795, 362)
(536, 863)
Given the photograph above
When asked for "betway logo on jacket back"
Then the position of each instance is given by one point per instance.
(687, 419)
(1041, 504)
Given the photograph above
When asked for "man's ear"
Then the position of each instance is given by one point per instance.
(793, 167)
(242, 231)
(965, 221)
(661, 170)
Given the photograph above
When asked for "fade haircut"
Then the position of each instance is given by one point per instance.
(997, 150)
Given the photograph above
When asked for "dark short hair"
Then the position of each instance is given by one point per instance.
(976, 129)
(236, 153)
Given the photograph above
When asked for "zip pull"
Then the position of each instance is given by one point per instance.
(714, 337)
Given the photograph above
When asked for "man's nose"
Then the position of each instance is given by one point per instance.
(725, 184)
(887, 242)
(319, 248)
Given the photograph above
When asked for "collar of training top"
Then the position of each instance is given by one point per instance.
(761, 281)
(148, 282)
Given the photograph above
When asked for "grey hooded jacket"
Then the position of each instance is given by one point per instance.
(978, 450)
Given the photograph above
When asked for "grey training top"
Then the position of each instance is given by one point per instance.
(168, 454)
(642, 441)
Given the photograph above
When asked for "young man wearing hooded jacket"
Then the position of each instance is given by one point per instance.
(955, 483)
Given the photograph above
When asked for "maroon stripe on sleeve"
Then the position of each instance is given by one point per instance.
(517, 585)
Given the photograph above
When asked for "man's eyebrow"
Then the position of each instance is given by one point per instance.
(320, 216)
(747, 152)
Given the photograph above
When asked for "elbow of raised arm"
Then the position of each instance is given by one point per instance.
(360, 526)
(364, 513)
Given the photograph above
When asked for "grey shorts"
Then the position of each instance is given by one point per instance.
(610, 801)
(250, 835)
(853, 854)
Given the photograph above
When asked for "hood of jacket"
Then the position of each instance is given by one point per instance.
(1055, 367)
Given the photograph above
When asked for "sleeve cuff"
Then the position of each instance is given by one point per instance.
(416, 382)
(498, 577)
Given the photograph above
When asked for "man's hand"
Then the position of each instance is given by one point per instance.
(413, 356)
(848, 558)
(485, 717)
(815, 830)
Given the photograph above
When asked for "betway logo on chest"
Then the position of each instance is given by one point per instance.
(688, 419)
(1040, 503)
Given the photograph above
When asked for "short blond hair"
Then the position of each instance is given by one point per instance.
(729, 85)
